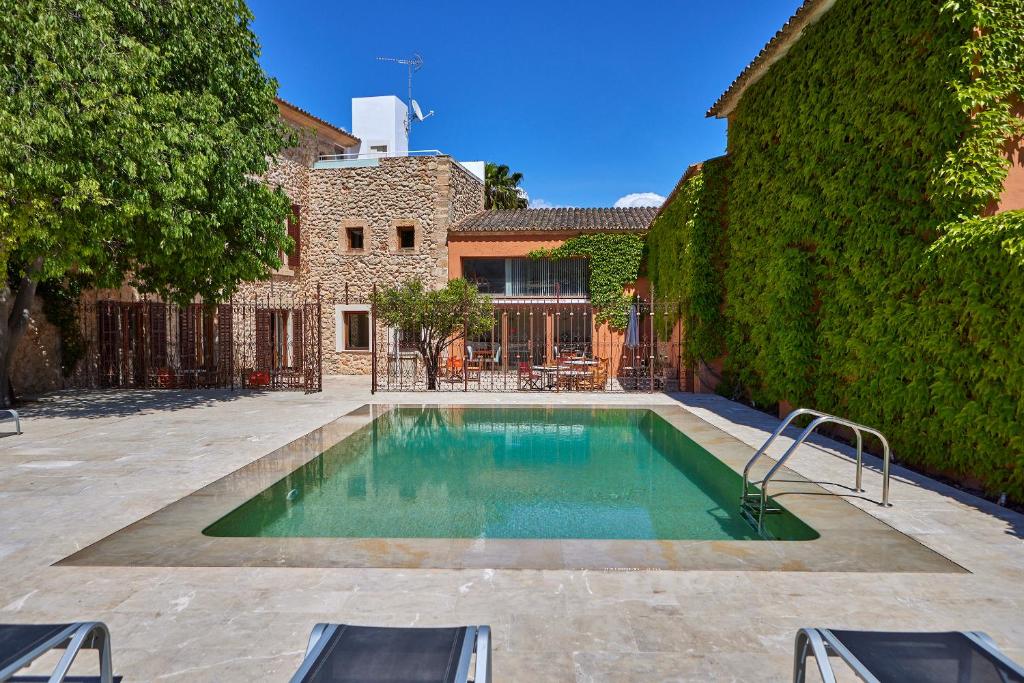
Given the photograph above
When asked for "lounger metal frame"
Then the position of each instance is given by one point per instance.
(92, 635)
(821, 642)
(478, 640)
(14, 415)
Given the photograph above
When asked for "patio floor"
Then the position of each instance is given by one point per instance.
(89, 465)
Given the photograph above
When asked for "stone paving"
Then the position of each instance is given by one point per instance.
(89, 465)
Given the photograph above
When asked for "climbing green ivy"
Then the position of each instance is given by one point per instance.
(60, 306)
(614, 260)
(685, 259)
(860, 277)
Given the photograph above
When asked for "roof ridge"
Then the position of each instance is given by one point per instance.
(774, 50)
(316, 118)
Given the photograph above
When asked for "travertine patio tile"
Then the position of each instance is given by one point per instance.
(224, 624)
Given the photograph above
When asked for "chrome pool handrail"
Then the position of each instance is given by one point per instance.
(820, 419)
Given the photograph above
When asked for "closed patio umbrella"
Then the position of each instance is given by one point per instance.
(633, 329)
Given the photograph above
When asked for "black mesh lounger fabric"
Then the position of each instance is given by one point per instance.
(366, 654)
(17, 640)
(925, 658)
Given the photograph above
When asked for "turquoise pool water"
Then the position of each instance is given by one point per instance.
(508, 472)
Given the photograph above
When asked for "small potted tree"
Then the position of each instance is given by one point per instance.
(434, 319)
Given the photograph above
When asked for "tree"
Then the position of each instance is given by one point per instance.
(434, 319)
(501, 189)
(133, 137)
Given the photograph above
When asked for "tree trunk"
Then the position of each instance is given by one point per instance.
(14, 315)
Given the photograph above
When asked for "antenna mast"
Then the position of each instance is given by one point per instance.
(413, 64)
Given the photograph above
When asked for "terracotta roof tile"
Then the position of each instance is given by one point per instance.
(326, 124)
(559, 220)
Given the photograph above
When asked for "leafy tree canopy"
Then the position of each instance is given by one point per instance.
(134, 136)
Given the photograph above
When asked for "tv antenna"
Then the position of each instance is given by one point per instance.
(412, 64)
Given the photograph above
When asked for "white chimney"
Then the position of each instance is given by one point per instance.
(381, 124)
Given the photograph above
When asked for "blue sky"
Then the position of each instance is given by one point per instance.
(591, 101)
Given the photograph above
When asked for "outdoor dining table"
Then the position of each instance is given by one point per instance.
(583, 363)
(547, 371)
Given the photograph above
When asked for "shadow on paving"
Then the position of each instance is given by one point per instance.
(121, 403)
(739, 413)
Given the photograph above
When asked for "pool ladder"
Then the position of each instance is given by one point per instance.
(755, 502)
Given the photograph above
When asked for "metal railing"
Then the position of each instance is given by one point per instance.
(14, 416)
(356, 156)
(754, 499)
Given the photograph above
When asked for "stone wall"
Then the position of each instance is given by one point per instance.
(36, 365)
(429, 194)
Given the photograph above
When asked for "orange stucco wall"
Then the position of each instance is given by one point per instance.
(1013, 188)
(517, 244)
(521, 244)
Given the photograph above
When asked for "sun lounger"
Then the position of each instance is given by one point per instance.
(887, 657)
(21, 644)
(14, 416)
(338, 653)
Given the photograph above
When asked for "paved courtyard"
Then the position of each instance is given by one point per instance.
(89, 465)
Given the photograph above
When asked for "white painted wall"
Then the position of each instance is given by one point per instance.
(380, 121)
(477, 168)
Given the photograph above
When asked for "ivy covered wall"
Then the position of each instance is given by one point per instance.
(685, 256)
(860, 277)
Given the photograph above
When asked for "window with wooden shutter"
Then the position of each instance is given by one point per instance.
(158, 334)
(110, 341)
(225, 337)
(297, 339)
(188, 324)
(294, 231)
(264, 350)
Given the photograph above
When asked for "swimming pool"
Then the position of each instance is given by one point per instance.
(465, 472)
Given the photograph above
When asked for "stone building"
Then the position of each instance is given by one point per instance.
(361, 219)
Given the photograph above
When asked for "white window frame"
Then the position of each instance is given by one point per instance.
(339, 325)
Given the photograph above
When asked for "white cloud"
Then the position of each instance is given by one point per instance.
(639, 199)
(541, 204)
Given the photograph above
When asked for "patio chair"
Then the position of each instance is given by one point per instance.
(338, 653)
(474, 368)
(892, 657)
(529, 378)
(598, 376)
(22, 644)
(452, 370)
(14, 416)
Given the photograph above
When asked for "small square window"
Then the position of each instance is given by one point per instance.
(357, 331)
(406, 237)
(355, 239)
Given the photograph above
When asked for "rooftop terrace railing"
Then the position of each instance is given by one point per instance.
(357, 156)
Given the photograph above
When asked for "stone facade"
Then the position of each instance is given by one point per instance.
(427, 194)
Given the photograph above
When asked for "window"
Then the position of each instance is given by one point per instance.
(354, 237)
(488, 274)
(528, 276)
(406, 237)
(357, 330)
(379, 149)
(352, 327)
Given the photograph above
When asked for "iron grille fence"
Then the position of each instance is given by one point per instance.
(262, 342)
(543, 344)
